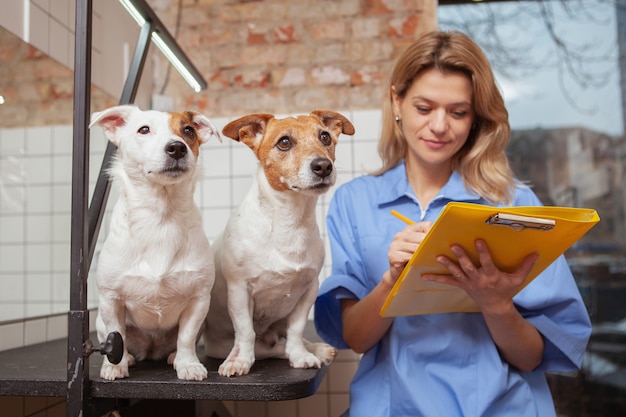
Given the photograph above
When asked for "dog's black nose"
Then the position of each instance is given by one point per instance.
(322, 167)
(176, 149)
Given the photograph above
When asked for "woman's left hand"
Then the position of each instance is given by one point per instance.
(519, 343)
(491, 288)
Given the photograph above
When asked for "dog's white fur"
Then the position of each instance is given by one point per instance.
(155, 271)
(270, 254)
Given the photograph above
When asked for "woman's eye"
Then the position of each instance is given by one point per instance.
(325, 138)
(285, 143)
(143, 130)
(423, 109)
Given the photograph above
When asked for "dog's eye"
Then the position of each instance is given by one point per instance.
(189, 132)
(285, 143)
(325, 138)
(143, 130)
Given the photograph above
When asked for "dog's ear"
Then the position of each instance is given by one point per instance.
(334, 120)
(112, 119)
(247, 128)
(204, 126)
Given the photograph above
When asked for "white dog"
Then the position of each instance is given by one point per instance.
(155, 271)
(270, 254)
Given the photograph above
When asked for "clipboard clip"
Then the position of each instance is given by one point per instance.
(519, 223)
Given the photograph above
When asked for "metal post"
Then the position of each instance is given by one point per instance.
(103, 185)
(78, 316)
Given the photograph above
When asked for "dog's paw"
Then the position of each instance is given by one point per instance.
(187, 367)
(130, 359)
(110, 371)
(234, 367)
(191, 371)
(304, 360)
(325, 352)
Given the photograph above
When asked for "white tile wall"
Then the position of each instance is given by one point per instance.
(35, 213)
(12, 16)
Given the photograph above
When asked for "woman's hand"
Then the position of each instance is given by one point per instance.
(519, 343)
(491, 288)
(402, 248)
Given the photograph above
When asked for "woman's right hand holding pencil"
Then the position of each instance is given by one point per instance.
(404, 245)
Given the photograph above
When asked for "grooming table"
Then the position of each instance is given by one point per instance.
(41, 370)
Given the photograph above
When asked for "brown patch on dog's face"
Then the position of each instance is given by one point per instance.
(296, 153)
(182, 125)
(290, 143)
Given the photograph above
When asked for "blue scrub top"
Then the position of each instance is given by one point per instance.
(441, 364)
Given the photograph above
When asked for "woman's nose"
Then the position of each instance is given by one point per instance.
(438, 122)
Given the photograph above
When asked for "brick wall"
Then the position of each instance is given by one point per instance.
(286, 56)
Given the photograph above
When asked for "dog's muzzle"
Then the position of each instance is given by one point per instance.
(176, 150)
(322, 178)
(322, 167)
(176, 163)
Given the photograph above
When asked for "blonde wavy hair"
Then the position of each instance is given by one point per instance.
(482, 162)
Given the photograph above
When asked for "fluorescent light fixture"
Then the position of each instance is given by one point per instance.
(163, 46)
(133, 12)
(180, 67)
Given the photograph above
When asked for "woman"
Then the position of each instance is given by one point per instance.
(445, 129)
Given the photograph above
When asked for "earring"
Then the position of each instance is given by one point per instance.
(397, 118)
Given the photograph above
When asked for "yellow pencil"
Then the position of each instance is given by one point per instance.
(402, 217)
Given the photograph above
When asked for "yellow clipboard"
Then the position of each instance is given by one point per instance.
(511, 233)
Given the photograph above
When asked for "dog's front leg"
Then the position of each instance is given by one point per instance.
(240, 308)
(301, 352)
(185, 359)
(112, 318)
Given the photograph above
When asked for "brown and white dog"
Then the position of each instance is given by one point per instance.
(155, 271)
(270, 253)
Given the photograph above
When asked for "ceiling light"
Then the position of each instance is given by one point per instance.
(166, 44)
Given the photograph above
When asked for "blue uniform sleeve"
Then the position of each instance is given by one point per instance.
(552, 303)
(348, 277)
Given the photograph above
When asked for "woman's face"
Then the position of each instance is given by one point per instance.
(436, 117)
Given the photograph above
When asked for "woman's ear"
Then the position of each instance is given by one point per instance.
(395, 101)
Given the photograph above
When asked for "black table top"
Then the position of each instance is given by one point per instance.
(40, 370)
